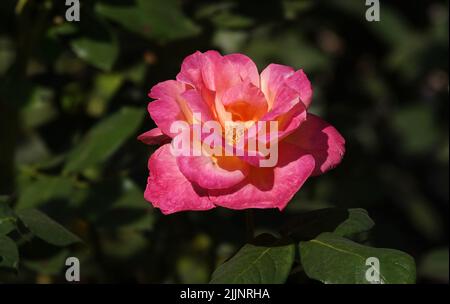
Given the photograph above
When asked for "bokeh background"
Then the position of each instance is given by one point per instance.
(73, 99)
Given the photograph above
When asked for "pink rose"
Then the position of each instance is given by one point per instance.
(226, 89)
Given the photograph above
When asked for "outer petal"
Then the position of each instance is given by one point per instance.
(320, 139)
(213, 172)
(216, 72)
(168, 189)
(198, 70)
(235, 68)
(269, 187)
(169, 106)
(154, 137)
(301, 84)
(287, 110)
(274, 76)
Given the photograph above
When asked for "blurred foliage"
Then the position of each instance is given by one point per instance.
(73, 98)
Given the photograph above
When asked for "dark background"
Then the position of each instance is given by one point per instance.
(383, 85)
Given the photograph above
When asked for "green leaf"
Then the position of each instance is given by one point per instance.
(100, 50)
(45, 189)
(39, 110)
(288, 47)
(105, 87)
(162, 20)
(308, 225)
(358, 221)
(228, 20)
(9, 255)
(333, 259)
(46, 229)
(104, 139)
(7, 219)
(256, 265)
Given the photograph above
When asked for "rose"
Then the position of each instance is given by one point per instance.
(229, 89)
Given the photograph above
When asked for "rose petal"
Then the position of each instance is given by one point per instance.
(269, 187)
(287, 110)
(208, 172)
(320, 139)
(245, 102)
(275, 76)
(233, 69)
(154, 137)
(198, 105)
(169, 106)
(199, 70)
(301, 84)
(168, 189)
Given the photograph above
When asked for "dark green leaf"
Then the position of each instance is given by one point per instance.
(333, 259)
(100, 52)
(46, 229)
(358, 221)
(256, 265)
(105, 87)
(104, 139)
(344, 222)
(7, 219)
(158, 19)
(45, 189)
(308, 225)
(9, 255)
(231, 21)
(39, 109)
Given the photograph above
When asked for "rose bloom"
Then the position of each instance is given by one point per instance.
(229, 88)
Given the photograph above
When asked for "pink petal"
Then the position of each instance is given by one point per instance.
(154, 137)
(169, 106)
(272, 77)
(236, 68)
(288, 111)
(213, 173)
(168, 189)
(214, 72)
(320, 139)
(269, 187)
(300, 83)
(275, 76)
(245, 101)
(198, 70)
(198, 105)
